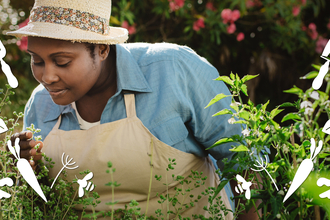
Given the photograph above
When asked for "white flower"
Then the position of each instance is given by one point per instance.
(285, 149)
(256, 133)
(267, 128)
(315, 95)
(261, 117)
(305, 104)
(308, 111)
(281, 192)
(246, 132)
(235, 104)
(298, 161)
(231, 120)
(301, 130)
(278, 216)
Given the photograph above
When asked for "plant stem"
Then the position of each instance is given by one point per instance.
(183, 198)
(317, 212)
(112, 194)
(57, 205)
(167, 202)
(0, 211)
(254, 204)
(70, 204)
(151, 177)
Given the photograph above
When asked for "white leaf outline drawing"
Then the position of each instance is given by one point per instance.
(317, 82)
(12, 81)
(67, 163)
(245, 186)
(3, 182)
(321, 182)
(25, 169)
(304, 169)
(83, 184)
(262, 167)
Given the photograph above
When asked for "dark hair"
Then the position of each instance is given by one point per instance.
(91, 48)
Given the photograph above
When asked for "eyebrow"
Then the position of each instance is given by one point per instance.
(53, 54)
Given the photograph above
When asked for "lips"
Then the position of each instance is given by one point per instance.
(56, 91)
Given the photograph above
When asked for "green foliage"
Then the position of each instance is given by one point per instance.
(261, 134)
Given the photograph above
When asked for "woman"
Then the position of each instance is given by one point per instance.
(136, 105)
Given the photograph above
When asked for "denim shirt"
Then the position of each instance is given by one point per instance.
(172, 86)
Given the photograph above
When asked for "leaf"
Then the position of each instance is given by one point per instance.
(275, 112)
(288, 104)
(187, 29)
(294, 90)
(291, 116)
(241, 122)
(223, 112)
(310, 75)
(248, 77)
(217, 98)
(240, 148)
(264, 106)
(219, 188)
(221, 141)
(245, 115)
(318, 67)
(232, 76)
(250, 103)
(225, 79)
(323, 155)
(244, 89)
(277, 126)
(114, 20)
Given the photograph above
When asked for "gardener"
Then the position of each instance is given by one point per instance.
(136, 105)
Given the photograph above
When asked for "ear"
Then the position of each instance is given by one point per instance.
(103, 51)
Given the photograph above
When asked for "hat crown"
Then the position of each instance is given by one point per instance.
(101, 8)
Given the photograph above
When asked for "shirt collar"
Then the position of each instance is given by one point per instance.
(129, 77)
(129, 74)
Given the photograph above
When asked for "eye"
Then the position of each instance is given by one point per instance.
(38, 63)
(62, 65)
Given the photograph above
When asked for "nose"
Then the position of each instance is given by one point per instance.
(49, 74)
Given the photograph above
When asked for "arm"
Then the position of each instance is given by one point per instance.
(201, 88)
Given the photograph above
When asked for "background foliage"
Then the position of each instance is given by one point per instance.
(276, 39)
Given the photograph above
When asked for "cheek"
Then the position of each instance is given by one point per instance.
(37, 73)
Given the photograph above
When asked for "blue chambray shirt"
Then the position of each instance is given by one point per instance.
(172, 85)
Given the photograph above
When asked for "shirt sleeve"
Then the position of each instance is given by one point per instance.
(199, 89)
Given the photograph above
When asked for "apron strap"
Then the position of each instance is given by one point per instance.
(57, 125)
(130, 105)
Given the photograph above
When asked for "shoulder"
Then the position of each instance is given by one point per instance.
(39, 105)
(146, 53)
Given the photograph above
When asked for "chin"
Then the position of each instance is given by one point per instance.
(61, 102)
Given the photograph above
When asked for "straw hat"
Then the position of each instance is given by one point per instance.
(74, 20)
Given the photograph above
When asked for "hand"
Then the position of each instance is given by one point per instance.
(27, 147)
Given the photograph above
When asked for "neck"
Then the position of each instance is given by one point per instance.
(91, 106)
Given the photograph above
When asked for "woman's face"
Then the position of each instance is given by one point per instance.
(65, 69)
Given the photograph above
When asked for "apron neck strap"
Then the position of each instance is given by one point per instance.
(130, 105)
(57, 125)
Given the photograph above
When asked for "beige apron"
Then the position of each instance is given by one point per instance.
(131, 147)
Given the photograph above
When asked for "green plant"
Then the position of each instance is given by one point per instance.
(261, 133)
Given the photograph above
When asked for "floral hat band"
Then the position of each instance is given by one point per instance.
(73, 20)
(70, 17)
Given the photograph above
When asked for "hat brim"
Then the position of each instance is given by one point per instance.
(62, 32)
